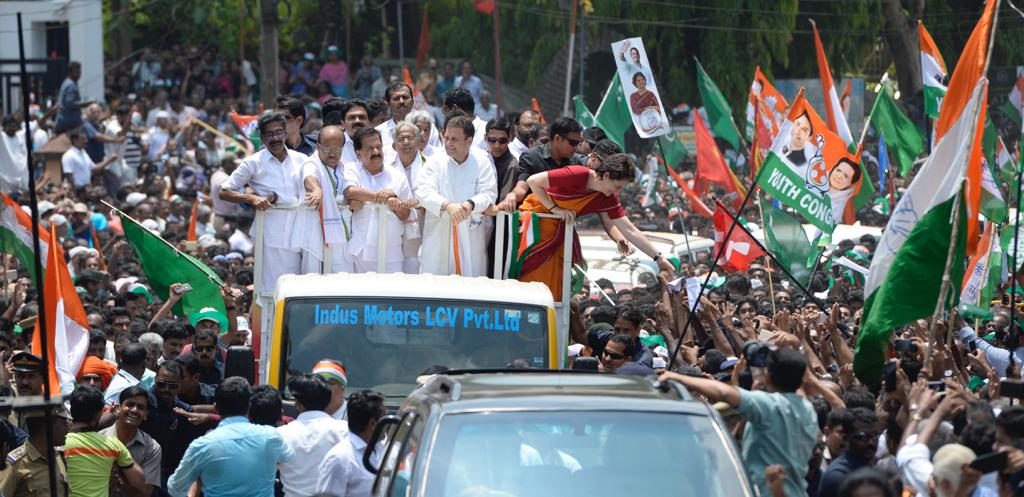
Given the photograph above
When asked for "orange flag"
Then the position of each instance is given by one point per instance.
(711, 166)
(536, 108)
(67, 330)
(697, 206)
(192, 220)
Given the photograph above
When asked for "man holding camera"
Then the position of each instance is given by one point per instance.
(781, 424)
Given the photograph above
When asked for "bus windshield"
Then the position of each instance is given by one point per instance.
(385, 343)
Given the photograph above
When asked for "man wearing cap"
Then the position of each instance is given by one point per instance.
(337, 378)
(27, 473)
(28, 374)
(223, 211)
(273, 174)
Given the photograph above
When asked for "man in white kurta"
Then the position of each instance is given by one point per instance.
(399, 99)
(13, 156)
(454, 190)
(274, 175)
(325, 225)
(409, 160)
(356, 117)
(370, 181)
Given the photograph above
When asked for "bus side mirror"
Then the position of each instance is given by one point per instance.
(240, 361)
(378, 432)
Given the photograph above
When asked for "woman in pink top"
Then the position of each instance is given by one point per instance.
(335, 73)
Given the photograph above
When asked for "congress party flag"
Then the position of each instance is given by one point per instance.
(16, 235)
(901, 134)
(718, 110)
(975, 294)
(1014, 106)
(833, 110)
(810, 169)
(613, 114)
(637, 80)
(762, 91)
(933, 72)
(67, 329)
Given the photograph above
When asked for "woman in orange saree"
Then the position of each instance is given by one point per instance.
(574, 191)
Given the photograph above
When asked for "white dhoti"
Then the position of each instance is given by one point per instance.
(278, 262)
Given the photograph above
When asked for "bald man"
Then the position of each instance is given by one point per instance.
(323, 177)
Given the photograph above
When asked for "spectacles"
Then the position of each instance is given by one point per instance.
(271, 134)
(167, 384)
(572, 142)
(203, 348)
(405, 139)
(495, 139)
(331, 150)
(614, 355)
(864, 436)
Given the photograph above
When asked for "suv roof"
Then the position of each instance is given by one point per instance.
(459, 391)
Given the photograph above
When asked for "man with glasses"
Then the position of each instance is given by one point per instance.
(860, 432)
(408, 159)
(273, 173)
(323, 178)
(560, 151)
(172, 431)
(295, 115)
(211, 364)
(369, 181)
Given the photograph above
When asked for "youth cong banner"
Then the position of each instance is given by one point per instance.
(810, 169)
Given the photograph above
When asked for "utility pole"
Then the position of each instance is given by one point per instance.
(268, 52)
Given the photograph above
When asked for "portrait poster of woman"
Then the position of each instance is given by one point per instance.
(645, 106)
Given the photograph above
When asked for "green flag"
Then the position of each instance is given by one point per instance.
(901, 135)
(613, 113)
(672, 149)
(788, 241)
(164, 265)
(719, 114)
(583, 114)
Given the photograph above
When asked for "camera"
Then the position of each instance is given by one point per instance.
(756, 353)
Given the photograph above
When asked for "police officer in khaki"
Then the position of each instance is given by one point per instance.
(27, 472)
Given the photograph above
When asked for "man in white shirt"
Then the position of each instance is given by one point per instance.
(323, 178)
(369, 181)
(527, 119)
(158, 136)
(273, 174)
(460, 99)
(399, 99)
(409, 160)
(455, 190)
(76, 164)
(342, 473)
(311, 436)
(13, 156)
(223, 211)
(357, 117)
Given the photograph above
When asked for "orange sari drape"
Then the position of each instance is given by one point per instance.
(544, 262)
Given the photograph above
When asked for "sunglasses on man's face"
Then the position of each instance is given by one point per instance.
(614, 355)
(495, 139)
(863, 436)
(574, 143)
(170, 385)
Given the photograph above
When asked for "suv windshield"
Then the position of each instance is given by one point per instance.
(603, 453)
(385, 343)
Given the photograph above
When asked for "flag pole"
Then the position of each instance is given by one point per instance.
(1014, 337)
(169, 244)
(771, 286)
(37, 260)
(940, 304)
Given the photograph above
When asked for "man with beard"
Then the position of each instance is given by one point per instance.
(369, 181)
(323, 178)
(356, 117)
(132, 411)
(273, 174)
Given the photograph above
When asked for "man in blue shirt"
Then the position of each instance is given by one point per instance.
(236, 458)
(781, 428)
(70, 100)
(860, 433)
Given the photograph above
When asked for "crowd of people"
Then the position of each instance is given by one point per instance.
(153, 407)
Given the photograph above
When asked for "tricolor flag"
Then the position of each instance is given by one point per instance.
(810, 168)
(249, 127)
(67, 330)
(1014, 108)
(762, 90)
(909, 265)
(765, 130)
(524, 230)
(16, 235)
(973, 296)
(740, 249)
(933, 72)
(833, 110)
